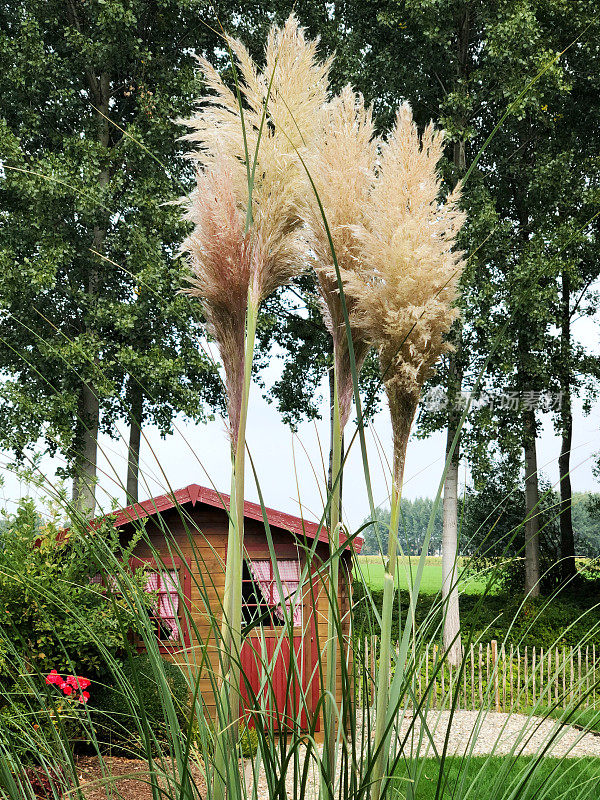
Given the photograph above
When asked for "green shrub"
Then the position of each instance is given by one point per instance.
(248, 741)
(112, 713)
(567, 619)
(53, 616)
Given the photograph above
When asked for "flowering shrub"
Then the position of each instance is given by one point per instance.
(70, 685)
(52, 611)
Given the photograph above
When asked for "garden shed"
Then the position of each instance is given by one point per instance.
(189, 529)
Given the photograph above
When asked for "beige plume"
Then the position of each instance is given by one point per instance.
(404, 295)
(232, 261)
(342, 167)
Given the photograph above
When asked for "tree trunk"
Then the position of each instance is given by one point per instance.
(86, 446)
(84, 482)
(568, 567)
(532, 525)
(451, 634)
(135, 438)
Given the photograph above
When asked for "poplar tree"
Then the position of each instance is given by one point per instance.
(91, 328)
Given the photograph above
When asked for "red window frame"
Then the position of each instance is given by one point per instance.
(171, 563)
(272, 602)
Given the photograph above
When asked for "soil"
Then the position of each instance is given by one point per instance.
(127, 776)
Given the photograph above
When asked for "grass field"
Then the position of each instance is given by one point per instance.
(496, 778)
(372, 571)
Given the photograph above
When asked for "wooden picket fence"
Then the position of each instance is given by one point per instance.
(495, 676)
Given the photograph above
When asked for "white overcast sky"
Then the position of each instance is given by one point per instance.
(290, 467)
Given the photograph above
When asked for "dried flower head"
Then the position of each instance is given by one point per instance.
(405, 296)
(342, 167)
(237, 257)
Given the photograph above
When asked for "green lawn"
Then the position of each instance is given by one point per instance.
(498, 778)
(588, 718)
(431, 582)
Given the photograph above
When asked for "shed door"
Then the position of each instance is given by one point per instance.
(273, 683)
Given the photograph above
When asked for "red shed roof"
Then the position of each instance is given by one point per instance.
(201, 494)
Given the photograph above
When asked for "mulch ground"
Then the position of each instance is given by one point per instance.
(127, 777)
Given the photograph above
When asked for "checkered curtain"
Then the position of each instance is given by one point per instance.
(165, 584)
(289, 574)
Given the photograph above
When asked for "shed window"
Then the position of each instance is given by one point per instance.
(262, 601)
(165, 610)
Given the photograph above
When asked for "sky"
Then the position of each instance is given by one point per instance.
(291, 467)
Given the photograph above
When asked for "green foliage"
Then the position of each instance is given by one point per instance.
(111, 704)
(292, 320)
(538, 622)
(495, 776)
(414, 519)
(248, 741)
(52, 616)
(88, 240)
(585, 509)
(492, 531)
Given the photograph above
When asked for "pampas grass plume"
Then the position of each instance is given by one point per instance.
(231, 261)
(404, 298)
(342, 167)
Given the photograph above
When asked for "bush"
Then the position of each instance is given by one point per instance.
(566, 620)
(248, 741)
(115, 724)
(53, 616)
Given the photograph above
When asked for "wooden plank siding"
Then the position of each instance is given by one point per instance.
(198, 534)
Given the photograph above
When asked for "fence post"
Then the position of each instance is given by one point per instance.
(373, 668)
(472, 678)
(442, 670)
(427, 689)
(480, 674)
(564, 676)
(512, 702)
(556, 677)
(518, 676)
(541, 674)
(495, 673)
(594, 673)
(572, 681)
(503, 652)
(434, 667)
(550, 676)
(587, 676)
(419, 679)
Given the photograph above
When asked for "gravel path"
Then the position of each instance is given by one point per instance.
(499, 733)
(479, 734)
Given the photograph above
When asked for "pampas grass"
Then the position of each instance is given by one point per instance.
(246, 209)
(374, 222)
(403, 295)
(246, 242)
(342, 168)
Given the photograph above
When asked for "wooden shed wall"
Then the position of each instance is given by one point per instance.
(199, 534)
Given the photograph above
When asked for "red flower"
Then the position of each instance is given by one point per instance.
(53, 677)
(66, 688)
(77, 682)
(85, 696)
